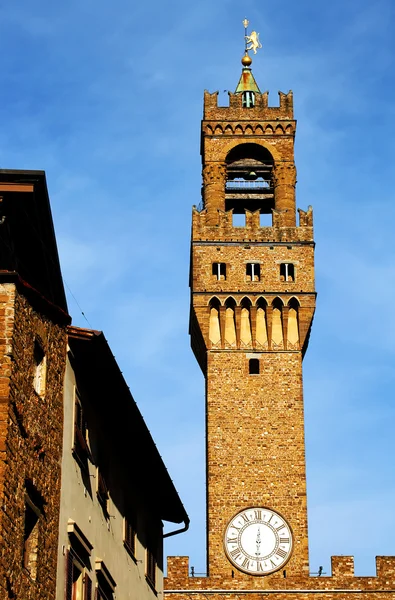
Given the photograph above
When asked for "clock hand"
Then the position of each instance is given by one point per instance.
(258, 542)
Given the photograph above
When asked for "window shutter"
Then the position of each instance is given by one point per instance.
(69, 576)
(87, 587)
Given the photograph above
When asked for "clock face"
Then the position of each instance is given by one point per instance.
(258, 541)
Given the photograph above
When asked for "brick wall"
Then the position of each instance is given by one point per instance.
(30, 445)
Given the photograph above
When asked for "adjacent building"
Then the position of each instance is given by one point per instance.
(83, 489)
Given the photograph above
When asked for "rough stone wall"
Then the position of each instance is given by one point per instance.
(30, 444)
(255, 454)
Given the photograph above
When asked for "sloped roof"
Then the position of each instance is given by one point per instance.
(125, 427)
(27, 238)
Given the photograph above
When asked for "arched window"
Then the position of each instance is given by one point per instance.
(249, 179)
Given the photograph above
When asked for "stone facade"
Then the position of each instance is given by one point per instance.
(30, 444)
(252, 307)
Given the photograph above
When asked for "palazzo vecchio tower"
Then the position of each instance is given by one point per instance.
(252, 306)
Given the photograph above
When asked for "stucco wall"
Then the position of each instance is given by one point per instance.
(82, 506)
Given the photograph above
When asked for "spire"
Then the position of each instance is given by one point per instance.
(247, 81)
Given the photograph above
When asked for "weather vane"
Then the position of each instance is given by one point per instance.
(251, 41)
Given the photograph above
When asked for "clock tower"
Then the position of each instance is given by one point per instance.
(252, 306)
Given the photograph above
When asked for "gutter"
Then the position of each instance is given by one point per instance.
(177, 531)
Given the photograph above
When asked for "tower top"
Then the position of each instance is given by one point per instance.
(247, 82)
(251, 43)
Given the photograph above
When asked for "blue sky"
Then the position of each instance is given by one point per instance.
(107, 98)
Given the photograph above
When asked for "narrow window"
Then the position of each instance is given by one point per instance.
(248, 99)
(254, 366)
(151, 566)
(39, 369)
(78, 582)
(287, 272)
(80, 445)
(219, 271)
(30, 537)
(102, 493)
(130, 535)
(253, 271)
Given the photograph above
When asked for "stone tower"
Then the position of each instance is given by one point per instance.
(252, 306)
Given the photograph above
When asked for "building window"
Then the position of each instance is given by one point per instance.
(80, 445)
(219, 271)
(287, 272)
(130, 535)
(253, 272)
(151, 566)
(254, 366)
(78, 582)
(39, 369)
(103, 495)
(30, 537)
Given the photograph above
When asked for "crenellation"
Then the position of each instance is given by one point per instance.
(261, 111)
(222, 229)
(342, 566)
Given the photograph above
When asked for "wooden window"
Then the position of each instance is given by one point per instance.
(151, 566)
(103, 495)
(130, 535)
(287, 272)
(78, 582)
(80, 445)
(253, 271)
(39, 369)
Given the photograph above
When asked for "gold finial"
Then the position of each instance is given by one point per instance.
(251, 43)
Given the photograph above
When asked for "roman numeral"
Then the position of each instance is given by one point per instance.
(245, 563)
(235, 553)
(272, 563)
(229, 541)
(258, 514)
(245, 518)
(280, 527)
(259, 566)
(284, 540)
(281, 553)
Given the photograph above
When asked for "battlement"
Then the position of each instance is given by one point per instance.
(235, 111)
(178, 577)
(224, 230)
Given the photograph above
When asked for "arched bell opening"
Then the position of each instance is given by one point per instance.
(249, 180)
